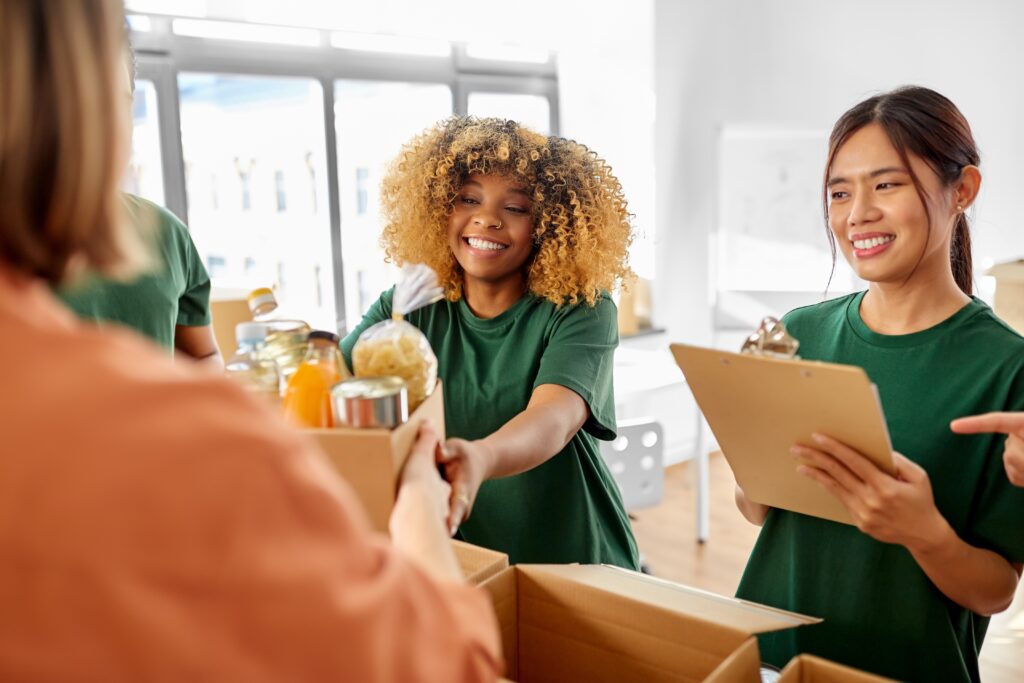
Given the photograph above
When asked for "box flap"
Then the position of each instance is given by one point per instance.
(740, 615)
(742, 666)
(811, 669)
(478, 564)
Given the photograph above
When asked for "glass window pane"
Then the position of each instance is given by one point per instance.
(374, 119)
(532, 110)
(145, 174)
(255, 173)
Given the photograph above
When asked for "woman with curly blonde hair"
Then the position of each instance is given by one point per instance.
(528, 234)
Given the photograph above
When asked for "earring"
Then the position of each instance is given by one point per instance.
(959, 209)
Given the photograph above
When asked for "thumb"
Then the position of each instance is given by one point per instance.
(459, 506)
(907, 469)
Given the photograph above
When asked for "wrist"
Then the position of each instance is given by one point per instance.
(487, 455)
(937, 538)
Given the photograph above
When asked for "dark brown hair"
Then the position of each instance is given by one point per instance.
(921, 122)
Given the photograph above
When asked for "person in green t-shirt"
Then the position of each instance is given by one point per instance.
(527, 233)
(170, 303)
(937, 548)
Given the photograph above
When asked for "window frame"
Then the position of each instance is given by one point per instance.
(161, 55)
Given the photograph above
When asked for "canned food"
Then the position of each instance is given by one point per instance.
(381, 402)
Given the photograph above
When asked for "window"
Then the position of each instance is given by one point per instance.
(362, 192)
(532, 110)
(145, 176)
(373, 120)
(250, 134)
(282, 203)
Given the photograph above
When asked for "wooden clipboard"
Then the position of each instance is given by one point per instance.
(758, 407)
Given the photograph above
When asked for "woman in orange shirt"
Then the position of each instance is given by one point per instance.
(156, 523)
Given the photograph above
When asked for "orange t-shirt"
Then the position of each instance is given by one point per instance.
(159, 524)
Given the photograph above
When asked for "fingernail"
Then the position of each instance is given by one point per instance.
(818, 438)
(795, 451)
(801, 470)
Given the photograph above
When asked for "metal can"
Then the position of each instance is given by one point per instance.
(375, 402)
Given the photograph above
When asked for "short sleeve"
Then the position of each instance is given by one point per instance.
(998, 521)
(194, 303)
(380, 310)
(579, 355)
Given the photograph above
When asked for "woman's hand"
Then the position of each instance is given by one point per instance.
(466, 466)
(1011, 424)
(892, 509)
(420, 470)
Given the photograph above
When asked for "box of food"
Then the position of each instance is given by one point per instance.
(371, 460)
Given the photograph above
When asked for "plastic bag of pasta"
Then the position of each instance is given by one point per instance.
(394, 347)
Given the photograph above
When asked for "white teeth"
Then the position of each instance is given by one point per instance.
(873, 242)
(478, 243)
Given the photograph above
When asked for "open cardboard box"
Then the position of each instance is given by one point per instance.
(478, 564)
(597, 623)
(371, 460)
(811, 669)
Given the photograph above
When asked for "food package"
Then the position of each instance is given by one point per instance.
(396, 348)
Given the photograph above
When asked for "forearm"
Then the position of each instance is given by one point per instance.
(755, 513)
(529, 439)
(978, 579)
(417, 530)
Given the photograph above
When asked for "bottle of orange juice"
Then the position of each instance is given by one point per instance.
(307, 397)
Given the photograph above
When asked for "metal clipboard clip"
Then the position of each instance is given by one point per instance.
(772, 340)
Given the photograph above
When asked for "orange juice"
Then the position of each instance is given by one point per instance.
(307, 397)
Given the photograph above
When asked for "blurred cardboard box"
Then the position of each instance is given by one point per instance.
(1009, 299)
(811, 669)
(371, 460)
(228, 307)
(478, 564)
(603, 624)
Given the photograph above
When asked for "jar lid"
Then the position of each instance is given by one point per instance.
(368, 387)
(323, 335)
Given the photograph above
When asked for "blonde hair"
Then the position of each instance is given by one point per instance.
(60, 144)
(581, 229)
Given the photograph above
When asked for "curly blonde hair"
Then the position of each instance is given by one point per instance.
(582, 228)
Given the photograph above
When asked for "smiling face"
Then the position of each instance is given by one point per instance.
(877, 216)
(490, 229)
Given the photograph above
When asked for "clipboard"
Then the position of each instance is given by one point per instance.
(758, 407)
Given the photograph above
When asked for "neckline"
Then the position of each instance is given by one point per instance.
(894, 341)
(506, 316)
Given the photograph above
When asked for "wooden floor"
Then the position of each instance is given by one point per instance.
(666, 535)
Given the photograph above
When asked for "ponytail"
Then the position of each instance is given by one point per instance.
(960, 255)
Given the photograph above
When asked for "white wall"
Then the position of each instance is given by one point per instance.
(802, 63)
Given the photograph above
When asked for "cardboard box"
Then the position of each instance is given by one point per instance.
(227, 309)
(597, 623)
(810, 669)
(371, 460)
(478, 564)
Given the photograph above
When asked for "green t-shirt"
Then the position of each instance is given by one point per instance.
(882, 613)
(176, 292)
(568, 509)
